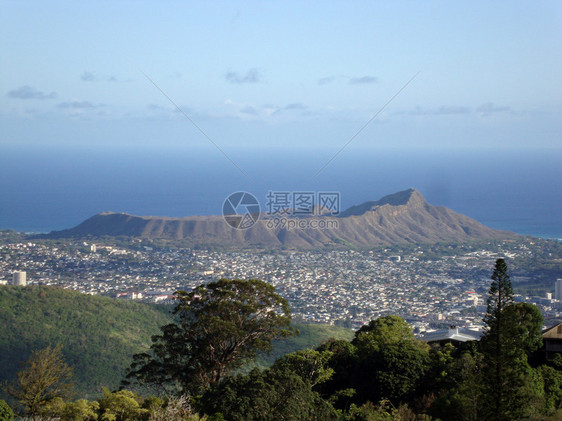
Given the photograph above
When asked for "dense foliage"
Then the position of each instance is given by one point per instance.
(44, 377)
(6, 413)
(221, 326)
(99, 335)
(278, 393)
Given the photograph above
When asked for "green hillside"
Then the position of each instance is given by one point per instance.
(311, 335)
(100, 334)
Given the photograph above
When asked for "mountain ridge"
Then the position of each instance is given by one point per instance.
(402, 217)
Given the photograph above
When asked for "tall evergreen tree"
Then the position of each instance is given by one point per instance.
(506, 371)
(499, 297)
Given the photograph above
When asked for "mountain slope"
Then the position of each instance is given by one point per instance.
(403, 217)
(100, 334)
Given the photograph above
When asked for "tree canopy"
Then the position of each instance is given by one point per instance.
(44, 377)
(220, 327)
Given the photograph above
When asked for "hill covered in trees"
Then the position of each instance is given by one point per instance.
(99, 334)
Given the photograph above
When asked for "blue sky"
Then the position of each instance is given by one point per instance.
(265, 74)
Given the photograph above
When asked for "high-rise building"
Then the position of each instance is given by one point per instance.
(19, 278)
(558, 290)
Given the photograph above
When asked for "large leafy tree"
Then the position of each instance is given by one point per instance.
(220, 327)
(457, 377)
(391, 361)
(524, 323)
(384, 360)
(309, 364)
(279, 393)
(44, 377)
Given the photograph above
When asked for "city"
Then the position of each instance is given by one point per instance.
(430, 286)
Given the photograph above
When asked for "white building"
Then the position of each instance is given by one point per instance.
(19, 278)
(558, 290)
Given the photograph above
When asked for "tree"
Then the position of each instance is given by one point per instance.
(384, 360)
(275, 394)
(460, 390)
(80, 410)
(500, 296)
(343, 360)
(220, 327)
(391, 362)
(45, 376)
(6, 413)
(523, 322)
(122, 405)
(511, 331)
(311, 365)
(552, 384)
(382, 331)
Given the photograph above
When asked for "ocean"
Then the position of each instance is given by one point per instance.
(44, 188)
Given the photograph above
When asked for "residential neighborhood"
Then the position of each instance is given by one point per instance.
(431, 288)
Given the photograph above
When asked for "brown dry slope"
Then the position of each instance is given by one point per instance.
(403, 217)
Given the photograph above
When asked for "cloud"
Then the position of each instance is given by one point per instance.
(92, 77)
(356, 80)
(362, 80)
(87, 77)
(443, 110)
(27, 92)
(251, 76)
(489, 108)
(266, 111)
(295, 106)
(249, 110)
(79, 105)
(156, 107)
(326, 80)
(452, 109)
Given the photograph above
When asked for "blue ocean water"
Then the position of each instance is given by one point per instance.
(44, 189)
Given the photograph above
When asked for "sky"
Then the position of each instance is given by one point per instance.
(286, 74)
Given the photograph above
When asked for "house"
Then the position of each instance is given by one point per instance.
(451, 335)
(552, 338)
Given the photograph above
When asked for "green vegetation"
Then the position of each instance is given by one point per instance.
(6, 413)
(310, 336)
(220, 327)
(44, 377)
(99, 335)
(382, 373)
(511, 332)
